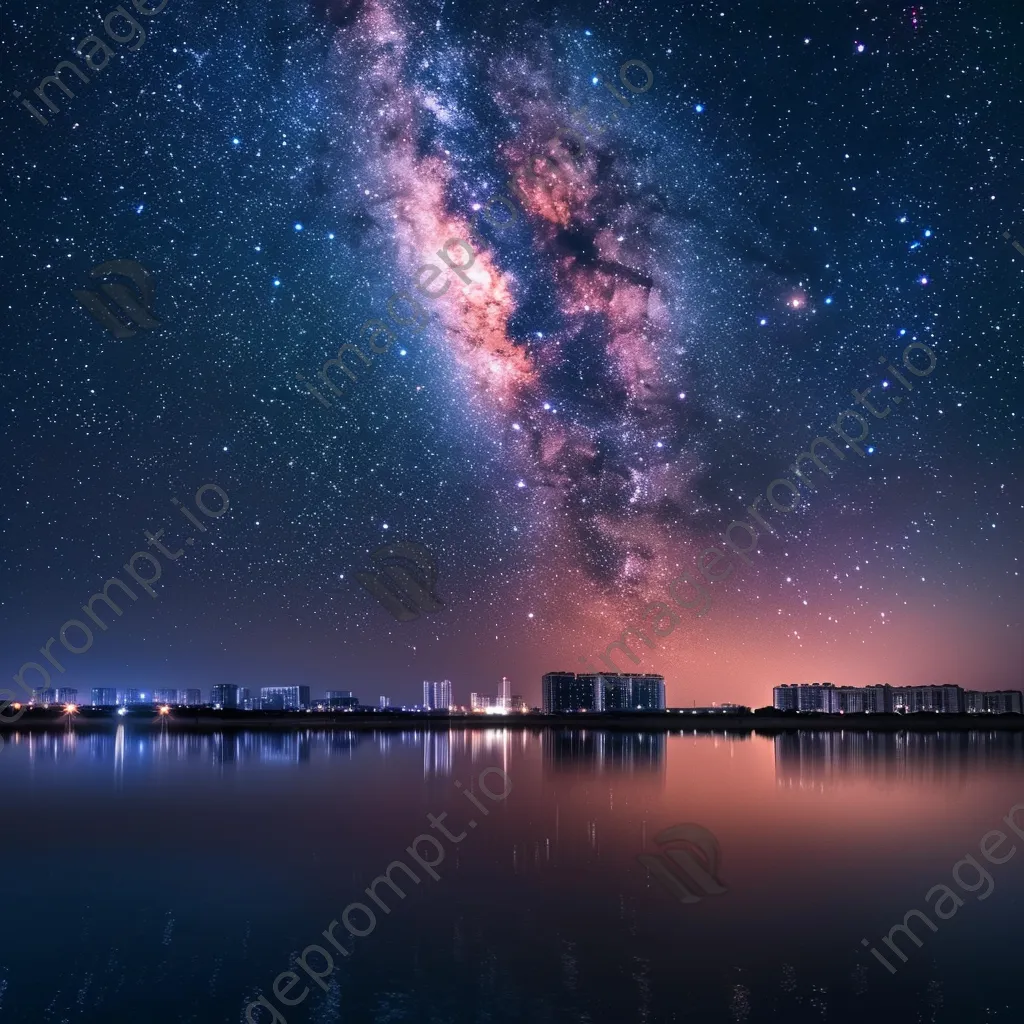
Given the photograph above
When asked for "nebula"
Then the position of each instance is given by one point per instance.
(589, 408)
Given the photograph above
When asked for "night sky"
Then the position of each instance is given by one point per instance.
(682, 304)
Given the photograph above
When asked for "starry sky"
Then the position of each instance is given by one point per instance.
(683, 301)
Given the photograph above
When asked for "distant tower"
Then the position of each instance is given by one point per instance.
(384, 702)
(437, 696)
(505, 697)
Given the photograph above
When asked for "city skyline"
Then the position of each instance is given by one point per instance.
(823, 696)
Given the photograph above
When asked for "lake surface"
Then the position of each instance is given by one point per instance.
(174, 878)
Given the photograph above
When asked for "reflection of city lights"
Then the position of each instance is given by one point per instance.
(164, 709)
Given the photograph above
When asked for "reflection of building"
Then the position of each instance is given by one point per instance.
(813, 758)
(994, 702)
(437, 696)
(224, 695)
(273, 747)
(104, 697)
(437, 753)
(594, 750)
(284, 698)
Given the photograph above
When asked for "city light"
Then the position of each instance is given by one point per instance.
(164, 709)
(70, 709)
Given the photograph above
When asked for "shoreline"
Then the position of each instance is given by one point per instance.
(207, 720)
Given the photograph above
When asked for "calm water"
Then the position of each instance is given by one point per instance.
(174, 879)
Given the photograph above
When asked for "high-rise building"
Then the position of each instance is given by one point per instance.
(46, 695)
(881, 698)
(648, 692)
(947, 699)
(335, 700)
(627, 691)
(848, 700)
(784, 697)
(505, 694)
(165, 696)
(224, 695)
(565, 691)
(245, 698)
(614, 691)
(131, 697)
(284, 698)
(104, 697)
(878, 698)
(191, 697)
(994, 702)
(806, 697)
(437, 696)
(383, 702)
(67, 695)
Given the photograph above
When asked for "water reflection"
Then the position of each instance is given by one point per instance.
(216, 855)
(816, 759)
(802, 759)
(597, 751)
